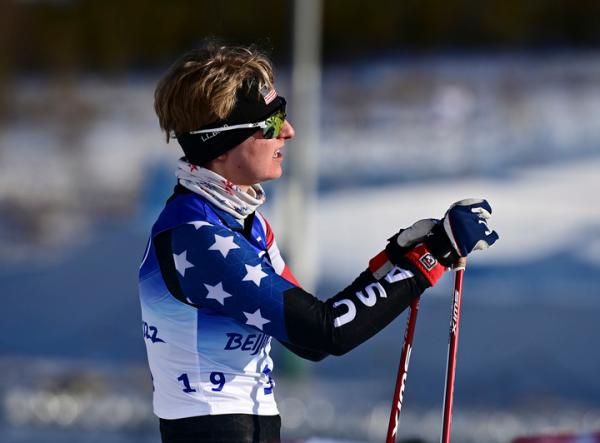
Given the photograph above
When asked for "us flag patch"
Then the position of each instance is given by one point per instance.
(268, 95)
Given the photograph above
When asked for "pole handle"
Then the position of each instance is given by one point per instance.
(461, 264)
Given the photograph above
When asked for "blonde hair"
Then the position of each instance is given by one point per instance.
(201, 86)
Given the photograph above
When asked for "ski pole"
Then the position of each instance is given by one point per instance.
(452, 348)
(402, 372)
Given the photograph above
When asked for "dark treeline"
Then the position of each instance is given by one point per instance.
(111, 36)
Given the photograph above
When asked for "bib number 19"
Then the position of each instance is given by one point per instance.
(216, 378)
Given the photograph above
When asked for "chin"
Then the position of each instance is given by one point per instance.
(274, 175)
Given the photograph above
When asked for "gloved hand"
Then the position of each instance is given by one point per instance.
(467, 228)
(464, 229)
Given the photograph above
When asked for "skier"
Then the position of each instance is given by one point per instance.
(214, 288)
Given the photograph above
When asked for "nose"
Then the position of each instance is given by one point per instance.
(287, 131)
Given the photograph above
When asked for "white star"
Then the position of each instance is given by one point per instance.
(217, 292)
(199, 224)
(223, 245)
(254, 273)
(181, 263)
(256, 319)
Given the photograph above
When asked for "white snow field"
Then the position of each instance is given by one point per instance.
(536, 210)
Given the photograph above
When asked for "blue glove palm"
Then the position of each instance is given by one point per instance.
(466, 225)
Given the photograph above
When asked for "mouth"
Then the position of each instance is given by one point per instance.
(278, 154)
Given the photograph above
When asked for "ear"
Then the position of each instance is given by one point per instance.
(220, 159)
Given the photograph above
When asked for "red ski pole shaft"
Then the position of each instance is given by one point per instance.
(402, 372)
(452, 348)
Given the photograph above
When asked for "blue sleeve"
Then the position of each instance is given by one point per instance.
(216, 268)
(220, 270)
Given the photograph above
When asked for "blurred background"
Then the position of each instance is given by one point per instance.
(401, 108)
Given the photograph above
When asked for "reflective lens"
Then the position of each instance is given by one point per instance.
(273, 124)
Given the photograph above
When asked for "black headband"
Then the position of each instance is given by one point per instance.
(250, 107)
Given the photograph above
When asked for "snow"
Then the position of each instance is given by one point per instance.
(537, 211)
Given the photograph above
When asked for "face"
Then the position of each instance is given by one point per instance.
(255, 160)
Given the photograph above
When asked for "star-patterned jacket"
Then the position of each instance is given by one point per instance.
(214, 292)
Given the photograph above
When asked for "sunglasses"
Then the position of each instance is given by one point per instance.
(271, 127)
